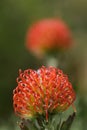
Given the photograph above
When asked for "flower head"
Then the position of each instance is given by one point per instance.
(48, 34)
(41, 92)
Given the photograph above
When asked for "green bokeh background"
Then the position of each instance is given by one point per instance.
(15, 18)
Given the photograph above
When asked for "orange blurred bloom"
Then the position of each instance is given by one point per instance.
(41, 92)
(48, 34)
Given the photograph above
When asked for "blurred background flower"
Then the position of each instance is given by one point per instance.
(16, 16)
(47, 35)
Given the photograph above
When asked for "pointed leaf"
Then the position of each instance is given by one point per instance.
(67, 124)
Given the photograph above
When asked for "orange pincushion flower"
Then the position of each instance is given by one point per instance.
(41, 92)
(48, 34)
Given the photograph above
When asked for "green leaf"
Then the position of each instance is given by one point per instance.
(27, 124)
(66, 125)
(23, 126)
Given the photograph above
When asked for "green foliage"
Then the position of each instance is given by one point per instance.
(54, 123)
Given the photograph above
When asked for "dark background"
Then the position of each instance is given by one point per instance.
(15, 18)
